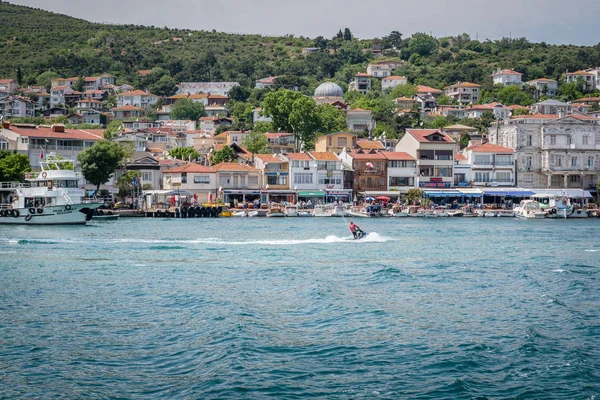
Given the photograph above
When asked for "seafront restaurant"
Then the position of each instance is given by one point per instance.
(325, 196)
(477, 195)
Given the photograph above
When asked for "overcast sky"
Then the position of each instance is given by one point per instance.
(552, 21)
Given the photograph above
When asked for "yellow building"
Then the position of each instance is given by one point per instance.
(335, 142)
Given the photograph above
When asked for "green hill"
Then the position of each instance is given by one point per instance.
(37, 41)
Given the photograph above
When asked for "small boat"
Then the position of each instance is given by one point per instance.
(322, 210)
(529, 209)
(291, 211)
(398, 211)
(276, 211)
(305, 213)
(339, 211)
(579, 213)
(369, 211)
(104, 215)
(490, 214)
(245, 214)
(430, 214)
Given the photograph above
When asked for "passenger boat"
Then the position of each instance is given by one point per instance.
(49, 197)
(554, 206)
(529, 209)
(579, 213)
(276, 211)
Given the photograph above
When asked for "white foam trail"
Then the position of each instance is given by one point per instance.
(592, 250)
(558, 270)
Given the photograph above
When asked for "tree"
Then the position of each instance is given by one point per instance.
(422, 44)
(394, 39)
(184, 153)
(13, 166)
(100, 161)
(256, 143)
(187, 109)
(79, 84)
(347, 34)
(403, 91)
(165, 86)
(464, 139)
(520, 111)
(45, 78)
(304, 121)
(239, 93)
(126, 183)
(414, 195)
(226, 154)
(263, 126)
(331, 119)
(19, 75)
(278, 105)
(115, 126)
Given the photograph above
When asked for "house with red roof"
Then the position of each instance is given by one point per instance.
(8, 86)
(464, 92)
(544, 87)
(491, 165)
(370, 169)
(274, 169)
(238, 181)
(393, 81)
(17, 106)
(128, 111)
(433, 151)
(401, 171)
(192, 178)
(137, 98)
(265, 82)
(588, 78)
(507, 77)
(281, 142)
(361, 83)
(379, 70)
(336, 142)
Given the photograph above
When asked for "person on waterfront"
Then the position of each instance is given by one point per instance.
(355, 229)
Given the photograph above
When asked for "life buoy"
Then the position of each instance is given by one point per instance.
(2, 213)
(28, 217)
(40, 210)
(32, 210)
(44, 174)
(15, 213)
(68, 207)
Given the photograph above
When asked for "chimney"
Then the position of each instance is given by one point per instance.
(5, 124)
(58, 128)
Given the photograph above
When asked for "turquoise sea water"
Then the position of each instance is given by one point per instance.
(290, 308)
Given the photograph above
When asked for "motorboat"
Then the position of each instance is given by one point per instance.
(291, 211)
(245, 214)
(49, 197)
(322, 210)
(276, 211)
(104, 215)
(529, 209)
(554, 206)
(369, 211)
(339, 211)
(579, 213)
(398, 211)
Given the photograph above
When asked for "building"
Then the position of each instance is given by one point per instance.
(361, 83)
(335, 142)
(359, 120)
(64, 81)
(220, 88)
(491, 165)
(462, 170)
(310, 50)
(128, 111)
(210, 124)
(551, 107)
(95, 94)
(379, 70)
(35, 142)
(216, 110)
(192, 178)
(258, 116)
(424, 90)
(544, 87)
(8, 86)
(329, 92)
(507, 77)
(137, 98)
(393, 81)
(434, 153)
(281, 142)
(370, 169)
(588, 79)
(265, 82)
(464, 92)
(552, 152)
(89, 104)
(148, 167)
(405, 103)
(17, 106)
(302, 171)
(497, 109)
(426, 102)
(401, 171)
(58, 95)
(274, 170)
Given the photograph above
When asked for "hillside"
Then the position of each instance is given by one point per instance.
(39, 41)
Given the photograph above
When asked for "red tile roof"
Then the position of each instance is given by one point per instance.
(397, 156)
(392, 78)
(90, 79)
(298, 156)
(190, 168)
(367, 155)
(276, 135)
(7, 80)
(323, 156)
(47, 132)
(464, 84)
(489, 148)
(422, 135)
(369, 144)
(427, 89)
(234, 167)
(506, 72)
(542, 80)
(459, 157)
(127, 108)
(136, 93)
(269, 158)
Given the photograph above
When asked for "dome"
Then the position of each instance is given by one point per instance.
(329, 89)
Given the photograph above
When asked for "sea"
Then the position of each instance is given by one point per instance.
(254, 308)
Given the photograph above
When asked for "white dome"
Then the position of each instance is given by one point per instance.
(329, 89)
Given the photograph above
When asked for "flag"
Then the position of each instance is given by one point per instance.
(41, 154)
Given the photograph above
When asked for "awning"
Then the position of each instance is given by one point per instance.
(388, 193)
(508, 192)
(469, 192)
(445, 193)
(573, 193)
(311, 194)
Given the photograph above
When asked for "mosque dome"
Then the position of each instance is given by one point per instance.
(329, 89)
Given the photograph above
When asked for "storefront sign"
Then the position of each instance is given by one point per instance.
(435, 184)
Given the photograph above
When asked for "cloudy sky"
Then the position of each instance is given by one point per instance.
(552, 21)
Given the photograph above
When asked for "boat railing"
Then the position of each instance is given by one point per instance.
(11, 185)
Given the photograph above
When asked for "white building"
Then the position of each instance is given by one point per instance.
(302, 171)
(8, 86)
(58, 93)
(464, 92)
(221, 88)
(330, 173)
(507, 77)
(491, 165)
(193, 178)
(544, 87)
(258, 116)
(393, 81)
(588, 78)
(17, 106)
(551, 107)
(265, 82)
(359, 120)
(552, 152)
(379, 70)
(137, 98)
(401, 171)
(434, 153)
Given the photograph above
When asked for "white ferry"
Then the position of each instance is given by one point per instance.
(49, 197)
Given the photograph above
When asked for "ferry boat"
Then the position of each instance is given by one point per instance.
(49, 197)
(529, 209)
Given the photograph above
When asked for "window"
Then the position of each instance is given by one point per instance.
(559, 161)
(585, 139)
(552, 139)
(24, 140)
(332, 180)
(3, 145)
(329, 141)
(590, 161)
(482, 159)
(203, 179)
(503, 177)
(573, 161)
(504, 160)
(342, 142)
(303, 178)
(530, 140)
(443, 171)
(482, 177)
(252, 180)
(401, 181)
(527, 178)
(147, 176)
(224, 180)
(529, 162)
(569, 140)
(184, 177)
(575, 178)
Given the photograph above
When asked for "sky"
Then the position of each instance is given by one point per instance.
(550, 21)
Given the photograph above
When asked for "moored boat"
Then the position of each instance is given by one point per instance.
(276, 211)
(529, 209)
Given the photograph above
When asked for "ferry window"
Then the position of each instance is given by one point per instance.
(72, 184)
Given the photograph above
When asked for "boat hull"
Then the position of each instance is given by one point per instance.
(74, 214)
